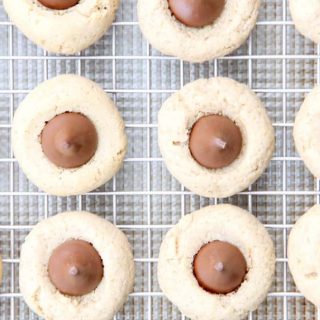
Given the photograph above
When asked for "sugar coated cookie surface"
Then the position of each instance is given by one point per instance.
(306, 17)
(39, 277)
(306, 131)
(215, 136)
(239, 242)
(68, 136)
(175, 29)
(59, 28)
(304, 254)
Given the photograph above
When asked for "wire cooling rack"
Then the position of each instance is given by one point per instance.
(143, 199)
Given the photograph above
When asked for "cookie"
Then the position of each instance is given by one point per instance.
(68, 136)
(197, 31)
(64, 27)
(303, 254)
(61, 260)
(306, 17)
(217, 263)
(306, 131)
(215, 137)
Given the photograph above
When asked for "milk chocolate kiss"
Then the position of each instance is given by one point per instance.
(59, 4)
(75, 268)
(69, 140)
(215, 141)
(219, 267)
(196, 13)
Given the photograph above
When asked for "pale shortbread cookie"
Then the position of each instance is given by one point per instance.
(225, 223)
(304, 254)
(172, 37)
(306, 17)
(62, 31)
(56, 96)
(215, 96)
(306, 132)
(114, 249)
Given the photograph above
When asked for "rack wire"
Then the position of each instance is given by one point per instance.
(143, 199)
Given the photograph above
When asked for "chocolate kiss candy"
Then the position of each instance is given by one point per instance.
(219, 267)
(69, 140)
(196, 13)
(75, 268)
(215, 141)
(59, 4)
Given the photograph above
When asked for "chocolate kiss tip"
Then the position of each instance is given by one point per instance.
(221, 144)
(219, 266)
(73, 271)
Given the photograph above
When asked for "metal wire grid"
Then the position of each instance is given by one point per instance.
(143, 199)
